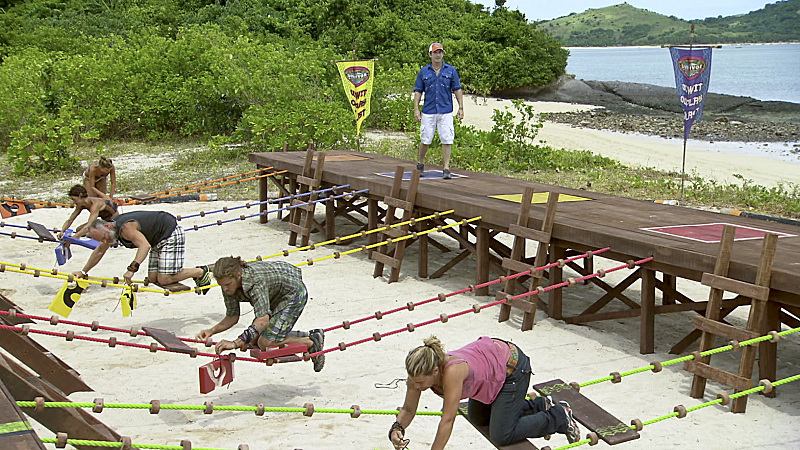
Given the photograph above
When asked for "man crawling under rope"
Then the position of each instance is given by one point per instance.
(278, 295)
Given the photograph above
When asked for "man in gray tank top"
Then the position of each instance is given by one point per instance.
(153, 232)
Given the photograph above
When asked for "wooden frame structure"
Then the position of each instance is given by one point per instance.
(587, 222)
(710, 325)
(301, 217)
(393, 203)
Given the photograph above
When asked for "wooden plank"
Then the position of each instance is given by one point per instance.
(308, 181)
(529, 233)
(484, 430)
(720, 376)
(175, 287)
(42, 231)
(385, 259)
(518, 267)
(737, 287)
(720, 329)
(168, 340)
(399, 204)
(16, 432)
(608, 428)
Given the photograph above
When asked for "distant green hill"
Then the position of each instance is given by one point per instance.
(624, 24)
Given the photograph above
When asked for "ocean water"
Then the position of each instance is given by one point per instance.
(761, 71)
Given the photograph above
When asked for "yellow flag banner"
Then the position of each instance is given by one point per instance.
(357, 81)
(68, 296)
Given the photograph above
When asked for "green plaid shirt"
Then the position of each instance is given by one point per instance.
(267, 285)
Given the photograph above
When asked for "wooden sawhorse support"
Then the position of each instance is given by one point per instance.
(393, 202)
(301, 217)
(711, 326)
(514, 264)
(596, 419)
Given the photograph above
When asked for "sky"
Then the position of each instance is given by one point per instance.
(682, 9)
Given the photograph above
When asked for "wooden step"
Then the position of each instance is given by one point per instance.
(168, 340)
(608, 428)
(484, 430)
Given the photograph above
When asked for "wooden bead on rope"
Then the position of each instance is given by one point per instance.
(98, 405)
(539, 290)
(376, 336)
(309, 409)
(410, 306)
(36, 273)
(53, 320)
(637, 424)
(70, 277)
(146, 281)
(378, 315)
(356, 411)
(186, 444)
(342, 346)
(104, 283)
(12, 312)
(153, 347)
(209, 407)
(23, 266)
(25, 329)
(589, 255)
(242, 217)
(697, 355)
(243, 447)
(631, 263)
(656, 366)
(116, 280)
(410, 327)
(575, 386)
(346, 324)
(155, 406)
(337, 255)
(193, 353)
(561, 263)
(768, 388)
(571, 282)
(126, 442)
(681, 410)
(735, 344)
(209, 342)
(260, 409)
(134, 332)
(444, 317)
(775, 336)
(232, 357)
(442, 296)
(95, 325)
(70, 335)
(166, 292)
(472, 288)
(593, 439)
(616, 377)
(112, 341)
(61, 440)
(726, 399)
(476, 309)
(39, 404)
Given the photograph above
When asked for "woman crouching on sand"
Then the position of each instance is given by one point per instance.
(494, 375)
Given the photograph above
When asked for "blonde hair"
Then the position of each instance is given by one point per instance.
(105, 162)
(228, 267)
(422, 360)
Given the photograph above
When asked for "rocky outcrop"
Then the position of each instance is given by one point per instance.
(655, 110)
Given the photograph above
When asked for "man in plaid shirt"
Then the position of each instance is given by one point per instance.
(278, 295)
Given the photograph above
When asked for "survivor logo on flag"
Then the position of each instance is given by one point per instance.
(692, 74)
(357, 81)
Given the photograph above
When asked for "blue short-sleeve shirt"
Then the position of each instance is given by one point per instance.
(438, 89)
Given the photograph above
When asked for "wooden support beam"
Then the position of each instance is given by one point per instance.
(16, 432)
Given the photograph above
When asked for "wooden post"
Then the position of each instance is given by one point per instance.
(647, 332)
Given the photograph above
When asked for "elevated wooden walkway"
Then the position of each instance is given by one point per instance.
(584, 221)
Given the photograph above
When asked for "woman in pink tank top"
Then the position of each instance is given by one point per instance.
(494, 375)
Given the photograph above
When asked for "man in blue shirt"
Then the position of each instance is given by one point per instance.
(439, 81)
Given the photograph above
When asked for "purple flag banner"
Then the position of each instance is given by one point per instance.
(692, 75)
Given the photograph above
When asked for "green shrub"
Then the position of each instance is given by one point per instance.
(46, 145)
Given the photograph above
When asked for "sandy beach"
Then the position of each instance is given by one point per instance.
(767, 164)
(344, 289)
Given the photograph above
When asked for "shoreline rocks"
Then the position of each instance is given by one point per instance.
(655, 110)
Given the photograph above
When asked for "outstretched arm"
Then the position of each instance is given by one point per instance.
(94, 258)
(405, 415)
(69, 221)
(94, 212)
(113, 187)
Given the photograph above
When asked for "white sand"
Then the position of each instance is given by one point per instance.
(345, 290)
(766, 164)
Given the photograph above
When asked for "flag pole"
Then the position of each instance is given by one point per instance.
(683, 162)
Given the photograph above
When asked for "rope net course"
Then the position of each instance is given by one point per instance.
(153, 347)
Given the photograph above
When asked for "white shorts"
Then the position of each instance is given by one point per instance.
(433, 122)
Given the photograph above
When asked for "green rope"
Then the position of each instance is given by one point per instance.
(710, 352)
(391, 412)
(108, 444)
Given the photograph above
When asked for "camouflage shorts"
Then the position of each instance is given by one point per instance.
(282, 321)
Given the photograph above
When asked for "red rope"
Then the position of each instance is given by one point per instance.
(469, 289)
(475, 309)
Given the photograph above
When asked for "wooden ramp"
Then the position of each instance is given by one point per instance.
(169, 340)
(608, 428)
(484, 430)
(16, 432)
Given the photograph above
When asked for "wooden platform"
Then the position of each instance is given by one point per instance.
(484, 430)
(601, 221)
